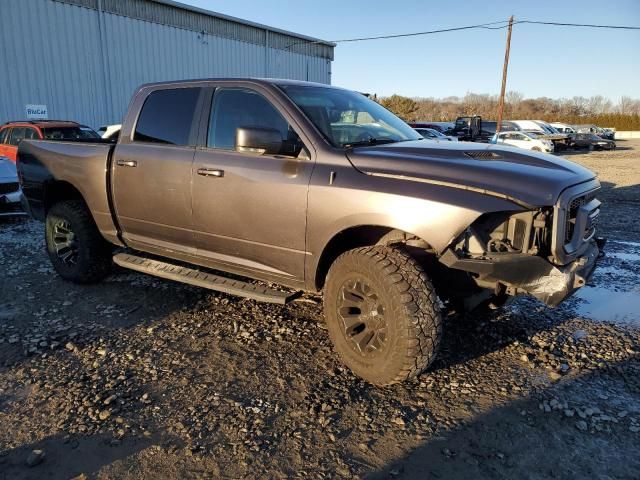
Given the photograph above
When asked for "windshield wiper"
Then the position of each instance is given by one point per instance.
(369, 141)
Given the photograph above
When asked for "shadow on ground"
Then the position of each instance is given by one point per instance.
(586, 434)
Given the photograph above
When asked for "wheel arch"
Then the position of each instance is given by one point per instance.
(354, 237)
(57, 191)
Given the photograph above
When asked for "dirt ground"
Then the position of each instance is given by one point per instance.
(142, 378)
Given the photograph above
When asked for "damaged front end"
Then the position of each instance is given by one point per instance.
(548, 253)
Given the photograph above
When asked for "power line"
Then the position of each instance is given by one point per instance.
(414, 34)
(620, 27)
(488, 26)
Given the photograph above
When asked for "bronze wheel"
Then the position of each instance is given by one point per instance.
(363, 316)
(76, 249)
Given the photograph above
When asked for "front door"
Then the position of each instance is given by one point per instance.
(152, 172)
(249, 209)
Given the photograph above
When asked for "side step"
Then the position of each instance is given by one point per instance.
(202, 279)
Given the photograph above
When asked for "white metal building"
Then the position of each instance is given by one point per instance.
(82, 59)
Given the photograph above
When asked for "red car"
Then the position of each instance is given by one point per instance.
(11, 133)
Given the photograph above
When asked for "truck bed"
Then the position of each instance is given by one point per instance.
(83, 164)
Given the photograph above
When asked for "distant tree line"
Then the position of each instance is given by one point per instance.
(625, 115)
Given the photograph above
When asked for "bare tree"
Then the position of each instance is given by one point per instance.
(597, 105)
(627, 105)
(513, 100)
(596, 109)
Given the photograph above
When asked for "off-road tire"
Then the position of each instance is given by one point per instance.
(411, 313)
(93, 254)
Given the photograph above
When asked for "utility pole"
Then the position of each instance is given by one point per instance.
(504, 76)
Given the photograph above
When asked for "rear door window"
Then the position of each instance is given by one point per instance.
(168, 117)
(17, 134)
(4, 135)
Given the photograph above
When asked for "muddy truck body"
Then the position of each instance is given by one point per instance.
(239, 184)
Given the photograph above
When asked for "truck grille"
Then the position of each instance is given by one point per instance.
(572, 214)
(575, 221)
(9, 187)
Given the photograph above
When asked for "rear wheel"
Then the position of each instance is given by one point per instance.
(382, 314)
(75, 247)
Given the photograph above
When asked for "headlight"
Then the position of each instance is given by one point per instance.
(526, 232)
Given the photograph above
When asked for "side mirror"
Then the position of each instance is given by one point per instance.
(258, 140)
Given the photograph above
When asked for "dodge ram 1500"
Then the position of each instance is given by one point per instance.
(318, 189)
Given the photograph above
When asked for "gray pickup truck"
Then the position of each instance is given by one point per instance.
(220, 182)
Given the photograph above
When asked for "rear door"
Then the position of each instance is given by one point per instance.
(520, 140)
(251, 214)
(504, 138)
(4, 140)
(16, 136)
(151, 178)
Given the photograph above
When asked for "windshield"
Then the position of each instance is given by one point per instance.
(346, 118)
(68, 133)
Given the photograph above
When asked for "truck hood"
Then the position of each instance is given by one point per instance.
(536, 179)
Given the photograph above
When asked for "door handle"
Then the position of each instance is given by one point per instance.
(127, 163)
(211, 172)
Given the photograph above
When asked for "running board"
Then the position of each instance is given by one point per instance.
(203, 279)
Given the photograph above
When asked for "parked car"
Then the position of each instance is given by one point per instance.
(261, 178)
(432, 134)
(469, 129)
(475, 129)
(526, 140)
(10, 192)
(12, 133)
(110, 132)
(442, 127)
(600, 132)
(591, 141)
(488, 128)
(543, 130)
(563, 128)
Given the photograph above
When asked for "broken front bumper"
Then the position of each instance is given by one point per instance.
(530, 274)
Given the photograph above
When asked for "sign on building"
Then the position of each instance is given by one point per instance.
(36, 112)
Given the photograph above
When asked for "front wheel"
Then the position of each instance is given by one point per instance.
(75, 247)
(382, 314)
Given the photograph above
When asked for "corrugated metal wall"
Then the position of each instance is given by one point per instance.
(50, 53)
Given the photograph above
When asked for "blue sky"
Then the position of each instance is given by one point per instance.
(545, 60)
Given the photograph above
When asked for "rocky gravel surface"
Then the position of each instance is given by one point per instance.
(141, 378)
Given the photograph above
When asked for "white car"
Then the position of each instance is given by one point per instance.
(110, 132)
(10, 192)
(563, 127)
(433, 134)
(526, 140)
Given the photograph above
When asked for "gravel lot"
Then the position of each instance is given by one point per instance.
(141, 378)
